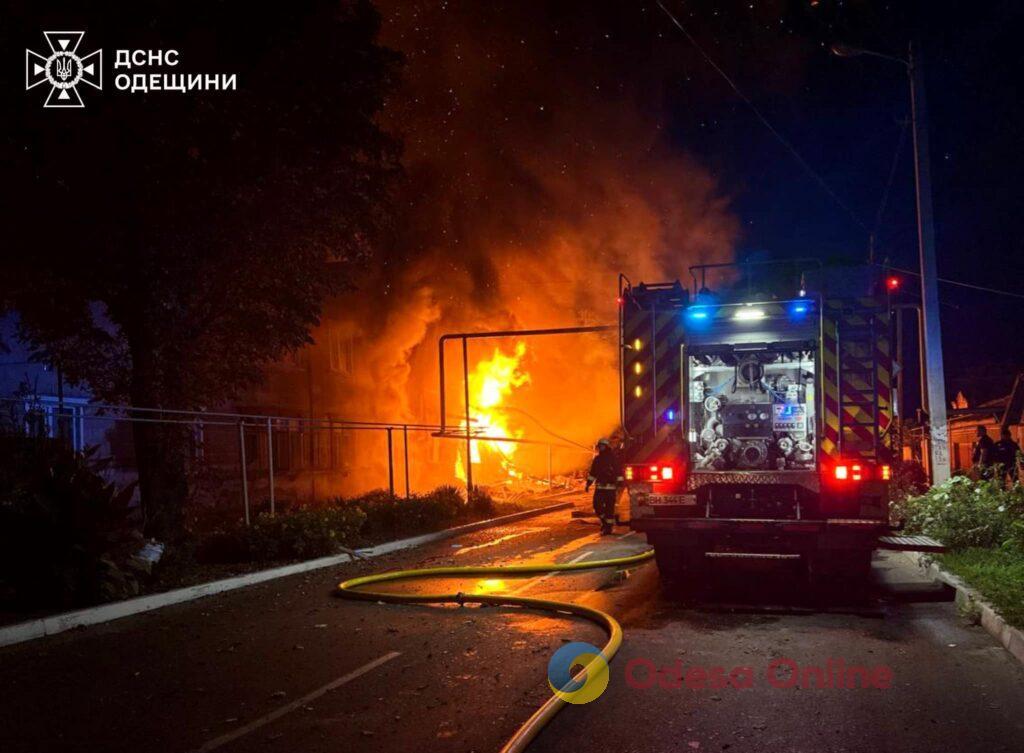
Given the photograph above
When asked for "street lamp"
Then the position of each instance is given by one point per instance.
(938, 427)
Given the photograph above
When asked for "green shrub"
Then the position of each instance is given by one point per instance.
(383, 515)
(481, 504)
(318, 531)
(392, 516)
(305, 533)
(1015, 537)
(909, 480)
(67, 536)
(963, 513)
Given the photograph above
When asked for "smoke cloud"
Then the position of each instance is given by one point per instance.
(538, 168)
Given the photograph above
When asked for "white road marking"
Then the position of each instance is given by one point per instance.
(541, 578)
(288, 708)
(499, 540)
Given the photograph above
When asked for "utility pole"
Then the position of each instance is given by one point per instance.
(938, 427)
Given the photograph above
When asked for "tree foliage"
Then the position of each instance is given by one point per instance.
(166, 246)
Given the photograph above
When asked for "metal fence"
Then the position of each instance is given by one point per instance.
(240, 464)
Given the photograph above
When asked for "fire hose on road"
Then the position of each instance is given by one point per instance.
(532, 726)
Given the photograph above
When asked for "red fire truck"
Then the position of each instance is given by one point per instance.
(757, 423)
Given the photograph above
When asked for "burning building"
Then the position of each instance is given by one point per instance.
(536, 170)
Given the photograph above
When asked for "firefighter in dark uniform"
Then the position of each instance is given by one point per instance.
(982, 455)
(606, 475)
(1004, 455)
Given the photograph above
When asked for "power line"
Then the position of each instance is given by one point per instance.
(764, 121)
(892, 175)
(959, 284)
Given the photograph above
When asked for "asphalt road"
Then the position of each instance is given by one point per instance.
(284, 666)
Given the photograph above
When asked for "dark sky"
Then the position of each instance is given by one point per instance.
(560, 76)
(844, 116)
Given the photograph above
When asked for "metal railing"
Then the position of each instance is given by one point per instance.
(247, 454)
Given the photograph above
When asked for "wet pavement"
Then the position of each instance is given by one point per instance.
(285, 666)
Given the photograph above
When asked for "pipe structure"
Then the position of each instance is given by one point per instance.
(405, 449)
(469, 442)
(242, 463)
(391, 465)
(499, 333)
(270, 463)
(465, 337)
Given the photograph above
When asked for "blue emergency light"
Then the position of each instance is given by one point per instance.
(698, 314)
(799, 309)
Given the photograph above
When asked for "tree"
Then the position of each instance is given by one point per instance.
(167, 245)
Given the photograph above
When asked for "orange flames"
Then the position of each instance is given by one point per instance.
(490, 383)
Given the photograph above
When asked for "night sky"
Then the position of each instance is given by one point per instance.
(526, 123)
(844, 115)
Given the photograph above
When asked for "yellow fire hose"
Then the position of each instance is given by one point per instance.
(532, 727)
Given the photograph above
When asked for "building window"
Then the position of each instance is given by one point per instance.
(342, 351)
(46, 417)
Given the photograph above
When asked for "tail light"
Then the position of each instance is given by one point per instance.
(653, 474)
(847, 471)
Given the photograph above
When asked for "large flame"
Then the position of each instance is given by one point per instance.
(490, 383)
(527, 228)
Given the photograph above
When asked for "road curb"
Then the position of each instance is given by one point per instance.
(1011, 638)
(59, 623)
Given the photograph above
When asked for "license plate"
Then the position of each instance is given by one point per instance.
(671, 499)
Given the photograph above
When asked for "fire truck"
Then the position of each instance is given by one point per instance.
(758, 421)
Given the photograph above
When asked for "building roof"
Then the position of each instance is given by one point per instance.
(1007, 410)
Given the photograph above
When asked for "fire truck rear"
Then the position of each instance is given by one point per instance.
(757, 426)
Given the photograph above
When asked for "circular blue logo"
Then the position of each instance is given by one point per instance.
(578, 672)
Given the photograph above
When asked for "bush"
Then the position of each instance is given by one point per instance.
(319, 531)
(67, 536)
(909, 480)
(963, 513)
(392, 516)
(305, 533)
(481, 504)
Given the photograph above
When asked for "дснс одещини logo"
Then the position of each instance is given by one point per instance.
(63, 69)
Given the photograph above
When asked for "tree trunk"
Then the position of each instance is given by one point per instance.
(159, 451)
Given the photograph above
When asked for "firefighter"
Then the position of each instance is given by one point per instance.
(1004, 455)
(606, 475)
(982, 456)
